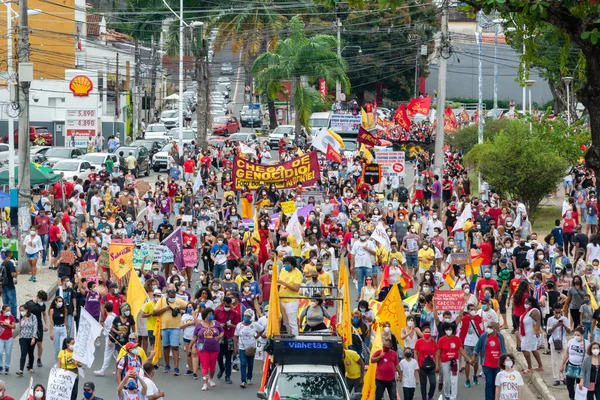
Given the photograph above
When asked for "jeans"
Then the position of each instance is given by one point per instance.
(353, 385)
(10, 297)
(588, 327)
(70, 325)
(596, 334)
(246, 366)
(60, 334)
(361, 275)
(219, 270)
(459, 236)
(424, 375)
(490, 382)
(382, 386)
(409, 393)
(45, 242)
(6, 348)
(26, 350)
(224, 352)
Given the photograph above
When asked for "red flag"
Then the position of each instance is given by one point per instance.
(401, 117)
(450, 123)
(332, 155)
(364, 136)
(419, 106)
(464, 115)
(276, 395)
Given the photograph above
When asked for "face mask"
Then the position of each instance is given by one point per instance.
(472, 313)
(246, 289)
(536, 282)
(171, 300)
(427, 277)
(288, 268)
(127, 313)
(448, 332)
(489, 331)
(220, 242)
(211, 317)
(595, 351)
(461, 275)
(425, 289)
(487, 275)
(23, 313)
(527, 306)
(508, 363)
(363, 237)
(484, 307)
(71, 347)
(447, 319)
(412, 231)
(131, 385)
(355, 320)
(216, 287)
(227, 276)
(39, 394)
(226, 308)
(88, 395)
(578, 338)
(410, 323)
(386, 329)
(59, 305)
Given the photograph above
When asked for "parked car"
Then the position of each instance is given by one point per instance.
(247, 138)
(169, 118)
(225, 80)
(251, 116)
(156, 131)
(37, 154)
(152, 145)
(142, 156)
(4, 153)
(34, 133)
(188, 136)
(70, 168)
(225, 125)
(226, 69)
(278, 133)
(56, 154)
(97, 159)
(161, 159)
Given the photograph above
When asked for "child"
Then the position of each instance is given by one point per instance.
(187, 326)
(409, 374)
(587, 313)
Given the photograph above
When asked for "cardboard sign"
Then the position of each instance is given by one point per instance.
(87, 269)
(60, 384)
(451, 300)
(288, 207)
(142, 187)
(67, 256)
(142, 258)
(104, 259)
(459, 258)
(187, 218)
(190, 257)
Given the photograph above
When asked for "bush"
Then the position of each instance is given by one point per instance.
(464, 139)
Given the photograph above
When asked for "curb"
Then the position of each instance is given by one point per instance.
(535, 378)
(51, 290)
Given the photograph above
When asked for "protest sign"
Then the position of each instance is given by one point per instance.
(303, 170)
(121, 258)
(450, 300)
(142, 187)
(190, 257)
(174, 242)
(346, 123)
(104, 259)
(392, 163)
(187, 218)
(60, 384)
(142, 258)
(460, 258)
(87, 333)
(67, 257)
(87, 269)
(288, 207)
(365, 137)
(167, 256)
(371, 174)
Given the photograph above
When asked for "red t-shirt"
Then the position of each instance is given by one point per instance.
(172, 188)
(193, 240)
(93, 177)
(7, 333)
(569, 224)
(492, 352)
(206, 161)
(486, 253)
(494, 213)
(449, 346)
(513, 285)
(519, 308)
(115, 300)
(69, 189)
(57, 191)
(386, 366)
(425, 349)
(42, 223)
(485, 283)
(265, 280)
(66, 221)
(54, 233)
(235, 249)
(189, 166)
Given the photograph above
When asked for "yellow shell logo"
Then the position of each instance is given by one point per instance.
(81, 85)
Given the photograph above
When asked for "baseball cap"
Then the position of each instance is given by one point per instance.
(89, 385)
(130, 346)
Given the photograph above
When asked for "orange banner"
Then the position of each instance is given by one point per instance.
(333, 155)
(450, 124)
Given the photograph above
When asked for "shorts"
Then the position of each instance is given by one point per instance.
(591, 219)
(33, 256)
(80, 218)
(55, 246)
(151, 338)
(40, 335)
(186, 341)
(412, 261)
(503, 298)
(170, 337)
(374, 271)
(469, 350)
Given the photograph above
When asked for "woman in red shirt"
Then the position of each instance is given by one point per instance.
(487, 251)
(450, 348)
(55, 242)
(519, 308)
(569, 223)
(425, 350)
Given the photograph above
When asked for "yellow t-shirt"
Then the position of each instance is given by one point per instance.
(351, 364)
(167, 320)
(294, 277)
(429, 253)
(397, 255)
(308, 269)
(141, 354)
(381, 252)
(296, 247)
(65, 360)
(326, 279)
(148, 308)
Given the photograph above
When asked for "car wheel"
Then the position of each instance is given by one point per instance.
(148, 170)
(156, 169)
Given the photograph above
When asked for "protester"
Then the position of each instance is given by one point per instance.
(7, 324)
(207, 336)
(387, 366)
(509, 383)
(29, 330)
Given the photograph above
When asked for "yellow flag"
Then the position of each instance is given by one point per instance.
(121, 258)
(368, 391)
(593, 301)
(366, 153)
(255, 234)
(392, 311)
(410, 301)
(136, 295)
(274, 305)
(344, 324)
(337, 138)
(364, 118)
(157, 343)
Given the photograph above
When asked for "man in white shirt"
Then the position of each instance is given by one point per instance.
(152, 390)
(362, 250)
(284, 248)
(95, 204)
(487, 313)
(557, 328)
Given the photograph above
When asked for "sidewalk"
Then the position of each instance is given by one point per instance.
(27, 290)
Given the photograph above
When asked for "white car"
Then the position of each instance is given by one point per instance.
(226, 68)
(97, 159)
(170, 118)
(279, 133)
(161, 159)
(70, 168)
(156, 131)
(225, 80)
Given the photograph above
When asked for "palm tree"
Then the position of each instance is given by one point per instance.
(296, 57)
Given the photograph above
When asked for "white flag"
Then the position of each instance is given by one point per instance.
(565, 207)
(28, 394)
(464, 216)
(88, 332)
(380, 235)
(245, 149)
(293, 227)
(198, 182)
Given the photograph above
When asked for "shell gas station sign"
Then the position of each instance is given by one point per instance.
(82, 114)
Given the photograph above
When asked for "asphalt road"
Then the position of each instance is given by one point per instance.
(182, 387)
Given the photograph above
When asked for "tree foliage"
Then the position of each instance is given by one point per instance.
(466, 138)
(518, 164)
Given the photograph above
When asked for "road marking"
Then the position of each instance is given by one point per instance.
(237, 80)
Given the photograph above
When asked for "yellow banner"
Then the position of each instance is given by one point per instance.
(344, 317)
(288, 207)
(368, 391)
(121, 258)
(392, 311)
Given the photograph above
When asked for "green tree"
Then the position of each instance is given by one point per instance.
(299, 56)
(518, 164)
(466, 138)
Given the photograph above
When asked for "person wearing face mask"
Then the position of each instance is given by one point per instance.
(362, 251)
(122, 327)
(573, 360)
(530, 329)
(449, 350)
(130, 361)
(314, 314)
(470, 329)
(409, 374)
(410, 247)
(188, 324)
(575, 298)
(219, 253)
(206, 340)
(385, 374)
(170, 309)
(489, 348)
(65, 361)
(132, 387)
(112, 296)
(58, 323)
(509, 382)
(246, 334)
(249, 299)
(426, 257)
(557, 328)
(32, 245)
(28, 336)
(289, 283)
(425, 353)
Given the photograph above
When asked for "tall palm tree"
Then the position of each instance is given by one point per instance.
(299, 56)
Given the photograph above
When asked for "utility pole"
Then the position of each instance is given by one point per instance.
(116, 97)
(338, 84)
(495, 67)
(480, 115)
(417, 71)
(25, 77)
(201, 86)
(10, 110)
(136, 92)
(154, 58)
(180, 101)
(443, 54)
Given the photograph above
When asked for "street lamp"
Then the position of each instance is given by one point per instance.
(567, 80)
(529, 83)
(352, 47)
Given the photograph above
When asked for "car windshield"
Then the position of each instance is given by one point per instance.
(239, 136)
(349, 145)
(94, 158)
(147, 145)
(59, 153)
(319, 123)
(220, 120)
(167, 147)
(281, 130)
(310, 386)
(66, 166)
(169, 114)
(156, 128)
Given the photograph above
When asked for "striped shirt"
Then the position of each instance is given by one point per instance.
(29, 327)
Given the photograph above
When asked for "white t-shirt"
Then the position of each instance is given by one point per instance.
(558, 332)
(151, 388)
(408, 369)
(247, 335)
(488, 316)
(33, 245)
(509, 383)
(362, 258)
(94, 202)
(577, 351)
(471, 338)
(188, 331)
(594, 252)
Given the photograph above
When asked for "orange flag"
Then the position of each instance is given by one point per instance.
(450, 124)
(401, 117)
(465, 115)
(333, 155)
(419, 106)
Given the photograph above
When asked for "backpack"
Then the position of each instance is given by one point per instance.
(403, 195)
(3, 274)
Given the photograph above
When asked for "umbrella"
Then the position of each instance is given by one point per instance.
(39, 176)
(41, 167)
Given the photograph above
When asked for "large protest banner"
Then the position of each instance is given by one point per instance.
(392, 163)
(451, 300)
(346, 123)
(412, 148)
(87, 333)
(121, 258)
(60, 384)
(304, 170)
